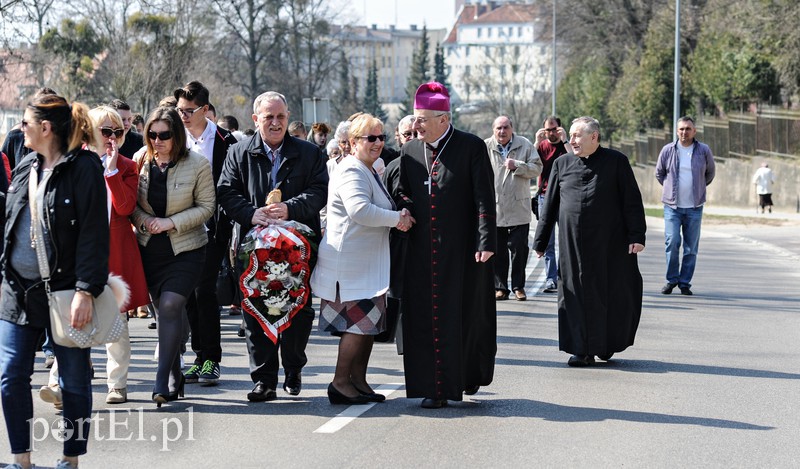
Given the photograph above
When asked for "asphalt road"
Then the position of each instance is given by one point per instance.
(712, 381)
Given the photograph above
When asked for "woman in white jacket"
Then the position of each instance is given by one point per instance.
(352, 272)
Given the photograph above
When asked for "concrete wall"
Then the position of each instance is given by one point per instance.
(732, 186)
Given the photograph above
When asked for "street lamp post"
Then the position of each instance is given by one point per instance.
(553, 84)
(676, 91)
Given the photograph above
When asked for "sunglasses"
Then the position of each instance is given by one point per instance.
(108, 131)
(165, 135)
(373, 138)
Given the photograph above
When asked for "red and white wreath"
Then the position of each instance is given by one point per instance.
(275, 281)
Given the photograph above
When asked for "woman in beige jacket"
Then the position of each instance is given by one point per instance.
(176, 197)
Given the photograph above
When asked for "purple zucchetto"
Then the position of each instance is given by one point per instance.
(432, 96)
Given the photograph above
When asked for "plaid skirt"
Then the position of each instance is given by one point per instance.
(362, 317)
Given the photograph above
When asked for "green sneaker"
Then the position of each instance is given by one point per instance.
(209, 375)
(192, 375)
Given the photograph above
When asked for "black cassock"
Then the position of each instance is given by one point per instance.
(448, 305)
(599, 211)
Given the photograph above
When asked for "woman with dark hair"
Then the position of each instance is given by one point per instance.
(176, 197)
(70, 199)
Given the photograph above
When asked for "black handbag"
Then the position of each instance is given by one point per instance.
(227, 284)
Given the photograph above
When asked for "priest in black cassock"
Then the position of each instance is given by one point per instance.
(449, 319)
(593, 196)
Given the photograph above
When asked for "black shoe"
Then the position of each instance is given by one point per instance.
(471, 390)
(428, 403)
(261, 393)
(335, 397)
(606, 357)
(152, 325)
(667, 289)
(372, 396)
(240, 332)
(580, 360)
(192, 375)
(686, 291)
(500, 295)
(292, 384)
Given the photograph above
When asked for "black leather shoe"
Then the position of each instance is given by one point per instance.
(292, 384)
(336, 397)
(372, 396)
(580, 360)
(428, 403)
(667, 289)
(605, 358)
(471, 390)
(261, 393)
(686, 291)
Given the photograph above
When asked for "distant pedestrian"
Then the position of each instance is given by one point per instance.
(514, 163)
(685, 167)
(550, 144)
(594, 196)
(298, 130)
(763, 180)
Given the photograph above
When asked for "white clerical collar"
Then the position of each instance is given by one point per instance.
(439, 140)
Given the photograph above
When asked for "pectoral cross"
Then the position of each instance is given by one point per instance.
(428, 183)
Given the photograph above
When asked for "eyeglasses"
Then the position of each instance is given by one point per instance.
(409, 134)
(165, 135)
(423, 120)
(108, 131)
(372, 138)
(188, 112)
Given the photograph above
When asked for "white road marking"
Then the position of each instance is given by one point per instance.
(534, 286)
(354, 411)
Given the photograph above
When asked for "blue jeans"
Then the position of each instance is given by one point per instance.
(682, 222)
(550, 261)
(17, 353)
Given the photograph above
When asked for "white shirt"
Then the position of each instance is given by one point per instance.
(205, 144)
(685, 196)
(763, 179)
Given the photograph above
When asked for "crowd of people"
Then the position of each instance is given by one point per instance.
(421, 238)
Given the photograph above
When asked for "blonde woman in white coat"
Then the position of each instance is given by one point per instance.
(352, 272)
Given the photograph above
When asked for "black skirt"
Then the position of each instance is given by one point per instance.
(167, 272)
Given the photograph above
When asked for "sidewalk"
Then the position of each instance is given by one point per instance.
(767, 233)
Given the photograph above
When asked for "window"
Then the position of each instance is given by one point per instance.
(479, 33)
(519, 31)
(487, 69)
(488, 32)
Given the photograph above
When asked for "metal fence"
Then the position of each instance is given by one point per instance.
(771, 132)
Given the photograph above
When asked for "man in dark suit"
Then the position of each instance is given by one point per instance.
(255, 166)
(204, 137)
(133, 140)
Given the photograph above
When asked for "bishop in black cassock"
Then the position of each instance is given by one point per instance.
(448, 306)
(593, 196)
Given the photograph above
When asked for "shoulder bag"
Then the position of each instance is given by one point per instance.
(107, 324)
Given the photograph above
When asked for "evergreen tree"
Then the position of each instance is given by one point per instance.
(418, 74)
(372, 103)
(345, 102)
(439, 73)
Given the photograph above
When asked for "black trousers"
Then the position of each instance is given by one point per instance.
(513, 239)
(292, 343)
(203, 309)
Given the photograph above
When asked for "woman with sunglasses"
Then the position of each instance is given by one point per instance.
(352, 272)
(70, 203)
(176, 197)
(124, 260)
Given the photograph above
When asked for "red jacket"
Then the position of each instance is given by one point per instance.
(124, 258)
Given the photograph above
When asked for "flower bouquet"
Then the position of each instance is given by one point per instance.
(275, 281)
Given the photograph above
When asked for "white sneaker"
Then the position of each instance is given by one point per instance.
(65, 465)
(117, 396)
(51, 394)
